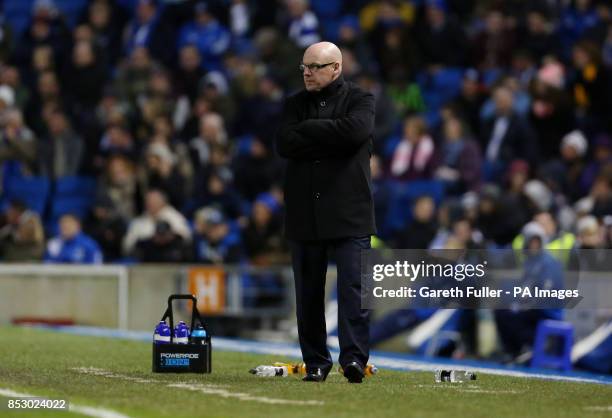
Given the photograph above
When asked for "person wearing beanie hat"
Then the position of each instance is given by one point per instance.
(7, 97)
(540, 269)
(534, 231)
(539, 194)
(574, 143)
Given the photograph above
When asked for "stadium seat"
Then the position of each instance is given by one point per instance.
(71, 195)
(33, 191)
(402, 198)
(546, 332)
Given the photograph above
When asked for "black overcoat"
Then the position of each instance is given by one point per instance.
(326, 137)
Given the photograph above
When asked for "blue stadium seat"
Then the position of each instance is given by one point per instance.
(71, 195)
(326, 9)
(19, 12)
(542, 355)
(75, 186)
(403, 196)
(33, 191)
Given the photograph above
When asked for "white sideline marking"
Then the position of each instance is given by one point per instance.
(89, 411)
(240, 395)
(208, 389)
(291, 350)
(599, 408)
(469, 388)
(111, 375)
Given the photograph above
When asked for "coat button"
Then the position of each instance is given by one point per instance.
(323, 104)
(317, 195)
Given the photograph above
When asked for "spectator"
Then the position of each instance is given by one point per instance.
(210, 37)
(386, 118)
(147, 31)
(551, 111)
(576, 20)
(157, 209)
(591, 87)
(21, 234)
(72, 245)
(47, 99)
(501, 216)
(262, 237)
(493, 47)
(537, 37)
(262, 112)
(212, 132)
(413, 157)
(11, 77)
(116, 140)
(218, 192)
(422, 229)
(216, 241)
(107, 226)
(189, 73)
(517, 327)
(350, 37)
(165, 246)
(133, 76)
(214, 89)
(506, 136)
(459, 159)
(279, 53)
(256, 169)
(602, 157)
(566, 173)
(47, 27)
(552, 238)
(117, 189)
(161, 173)
(106, 21)
(61, 152)
(84, 78)
(17, 141)
(303, 24)
(442, 40)
(470, 100)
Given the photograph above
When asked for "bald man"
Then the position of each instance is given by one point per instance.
(326, 137)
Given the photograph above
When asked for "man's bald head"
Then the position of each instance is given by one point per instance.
(323, 51)
(329, 59)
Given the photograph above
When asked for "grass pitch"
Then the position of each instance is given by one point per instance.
(116, 375)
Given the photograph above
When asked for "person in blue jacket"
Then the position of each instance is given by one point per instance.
(72, 245)
(517, 326)
(210, 37)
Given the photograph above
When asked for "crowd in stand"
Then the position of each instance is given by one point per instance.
(172, 108)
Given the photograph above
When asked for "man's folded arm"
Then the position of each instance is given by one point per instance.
(344, 134)
(293, 145)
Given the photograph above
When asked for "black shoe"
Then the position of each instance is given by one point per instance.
(316, 374)
(354, 372)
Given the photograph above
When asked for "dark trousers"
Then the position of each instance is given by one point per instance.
(517, 329)
(310, 259)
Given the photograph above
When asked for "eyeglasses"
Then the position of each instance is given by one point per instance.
(314, 67)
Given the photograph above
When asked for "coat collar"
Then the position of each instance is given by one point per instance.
(331, 89)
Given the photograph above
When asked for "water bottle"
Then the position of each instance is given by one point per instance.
(370, 370)
(198, 336)
(454, 376)
(181, 333)
(161, 335)
(269, 371)
(295, 368)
